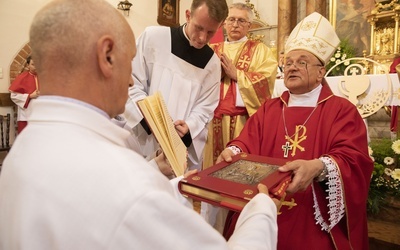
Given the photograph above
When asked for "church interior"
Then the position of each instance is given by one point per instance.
(368, 29)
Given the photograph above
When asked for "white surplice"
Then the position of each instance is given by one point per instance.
(70, 182)
(191, 93)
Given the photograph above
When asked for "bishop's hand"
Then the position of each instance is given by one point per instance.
(304, 172)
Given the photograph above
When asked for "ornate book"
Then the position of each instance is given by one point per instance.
(232, 185)
(156, 114)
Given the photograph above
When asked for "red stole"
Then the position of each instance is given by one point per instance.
(227, 103)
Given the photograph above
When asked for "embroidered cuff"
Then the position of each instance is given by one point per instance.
(236, 150)
(324, 173)
(335, 197)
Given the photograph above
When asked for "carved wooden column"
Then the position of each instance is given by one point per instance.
(316, 6)
(284, 22)
(372, 21)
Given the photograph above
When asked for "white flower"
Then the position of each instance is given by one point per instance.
(388, 171)
(370, 151)
(344, 56)
(388, 160)
(338, 61)
(396, 174)
(396, 146)
(337, 55)
(346, 63)
(332, 59)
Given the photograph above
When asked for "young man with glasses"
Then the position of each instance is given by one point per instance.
(324, 140)
(248, 76)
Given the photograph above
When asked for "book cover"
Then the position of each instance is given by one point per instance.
(156, 114)
(233, 184)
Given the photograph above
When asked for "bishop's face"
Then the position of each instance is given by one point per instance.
(200, 26)
(303, 71)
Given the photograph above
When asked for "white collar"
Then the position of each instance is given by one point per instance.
(243, 39)
(184, 32)
(309, 99)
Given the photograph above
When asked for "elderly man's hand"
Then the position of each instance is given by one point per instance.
(225, 155)
(163, 164)
(304, 172)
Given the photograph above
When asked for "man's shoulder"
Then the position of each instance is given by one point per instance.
(152, 31)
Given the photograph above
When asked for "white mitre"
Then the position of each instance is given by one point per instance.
(316, 35)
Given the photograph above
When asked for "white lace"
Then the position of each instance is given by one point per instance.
(235, 149)
(335, 196)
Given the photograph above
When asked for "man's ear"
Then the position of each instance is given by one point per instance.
(187, 14)
(321, 73)
(105, 55)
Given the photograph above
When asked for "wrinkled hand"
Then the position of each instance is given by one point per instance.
(165, 167)
(263, 189)
(304, 172)
(223, 74)
(163, 164)
(181, 127)
(228, 67)
(226, 155)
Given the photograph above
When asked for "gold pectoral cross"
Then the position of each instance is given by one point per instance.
(293, 144)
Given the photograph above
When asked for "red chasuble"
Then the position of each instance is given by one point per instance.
(335, 129)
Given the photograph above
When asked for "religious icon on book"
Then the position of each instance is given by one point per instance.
(232, 185)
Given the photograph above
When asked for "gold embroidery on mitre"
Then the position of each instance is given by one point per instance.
(309, 25)
(320, 47)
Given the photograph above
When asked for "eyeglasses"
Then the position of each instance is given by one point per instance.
(299, 65)
(240, 21)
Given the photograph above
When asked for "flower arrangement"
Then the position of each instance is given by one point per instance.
(343, 52)
(385, 179)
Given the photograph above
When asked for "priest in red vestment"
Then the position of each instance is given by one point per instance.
(23, 89)
(324, 140)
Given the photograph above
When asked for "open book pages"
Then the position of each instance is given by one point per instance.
(156, 114)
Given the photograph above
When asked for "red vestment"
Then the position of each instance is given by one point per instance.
(335, 129)
(25, 84)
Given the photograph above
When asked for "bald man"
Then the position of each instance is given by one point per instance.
(78, 186)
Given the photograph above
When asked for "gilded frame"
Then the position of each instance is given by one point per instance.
(168, 13)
